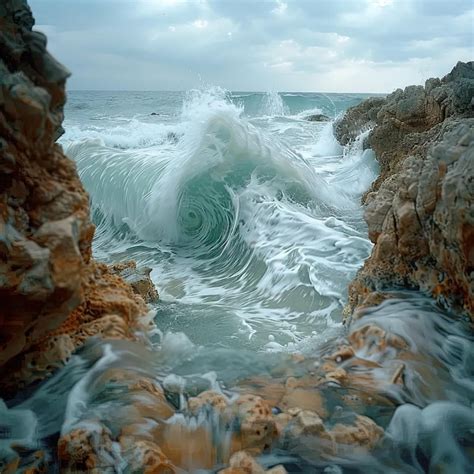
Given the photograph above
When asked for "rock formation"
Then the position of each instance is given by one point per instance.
(420, 211)
(317, 118)
(53, 295)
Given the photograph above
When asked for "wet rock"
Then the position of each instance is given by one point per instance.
(208, 400)
(242, 463)
(145, 457)
(317, 118)
(407, 122)
(306, 423)
(299, 395)
(88, 449)
(364, 433)
(418, 210)
(421, 223)
(126, 429)
(257, 427)
(138, 278)
(270, 389)
(54, 296)
(357, 119)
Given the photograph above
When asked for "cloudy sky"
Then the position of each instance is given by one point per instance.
(284, 45)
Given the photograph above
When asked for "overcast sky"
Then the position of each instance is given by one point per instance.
(284, 45)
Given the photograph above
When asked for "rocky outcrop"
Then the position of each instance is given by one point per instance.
(138, 278)
(53, 295)
(420, 210)
(317, 118)
(357, 120)
(408, 122)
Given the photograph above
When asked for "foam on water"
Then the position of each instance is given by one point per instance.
(215, 212)
(249, 216)
(431, 430)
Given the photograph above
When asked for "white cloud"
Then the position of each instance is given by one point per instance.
(280, 8)
(326, 45)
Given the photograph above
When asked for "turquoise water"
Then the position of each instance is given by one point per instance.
(249, 216)
(247, 213)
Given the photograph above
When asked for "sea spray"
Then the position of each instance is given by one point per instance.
(214, 211)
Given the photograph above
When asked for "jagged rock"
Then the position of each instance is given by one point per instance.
(138, 278)
(207, 400)
(242, 463)
(364, 432)
(421, 222)
(357, 119)
(419, 210)
(53, 295)
(407, 122)
(306, 423)
(138, 416)
(88, 449)
(257, 427)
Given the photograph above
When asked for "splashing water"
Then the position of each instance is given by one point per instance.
(214, 214)
(249, 217)
(273, 105)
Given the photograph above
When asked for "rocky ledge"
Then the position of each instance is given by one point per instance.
(53, 294)
(420, 211)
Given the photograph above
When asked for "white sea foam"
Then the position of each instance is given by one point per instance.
(217, 210)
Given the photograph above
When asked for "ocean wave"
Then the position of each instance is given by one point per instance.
(132, 133)
(190, 190)
(216, 213)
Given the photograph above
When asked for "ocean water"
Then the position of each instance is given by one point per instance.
(247, 213)
(249, 217)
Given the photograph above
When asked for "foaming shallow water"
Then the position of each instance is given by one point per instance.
(213, 211)
(249, 217)
(428, 419)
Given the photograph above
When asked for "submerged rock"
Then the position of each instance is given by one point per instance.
(317, 118)
(242, 463)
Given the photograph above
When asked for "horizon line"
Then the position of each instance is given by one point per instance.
(232, 91)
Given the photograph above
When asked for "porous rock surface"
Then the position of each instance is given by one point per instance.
(138, 278)
(420, 210)
(53, 295)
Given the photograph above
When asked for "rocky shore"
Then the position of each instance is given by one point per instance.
(420, 210)
(53, 294)
(335, 405)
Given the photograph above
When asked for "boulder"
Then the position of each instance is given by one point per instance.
(318, 118)
(138, 278)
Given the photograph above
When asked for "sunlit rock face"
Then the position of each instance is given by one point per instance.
(419, 210)
(47, 276)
